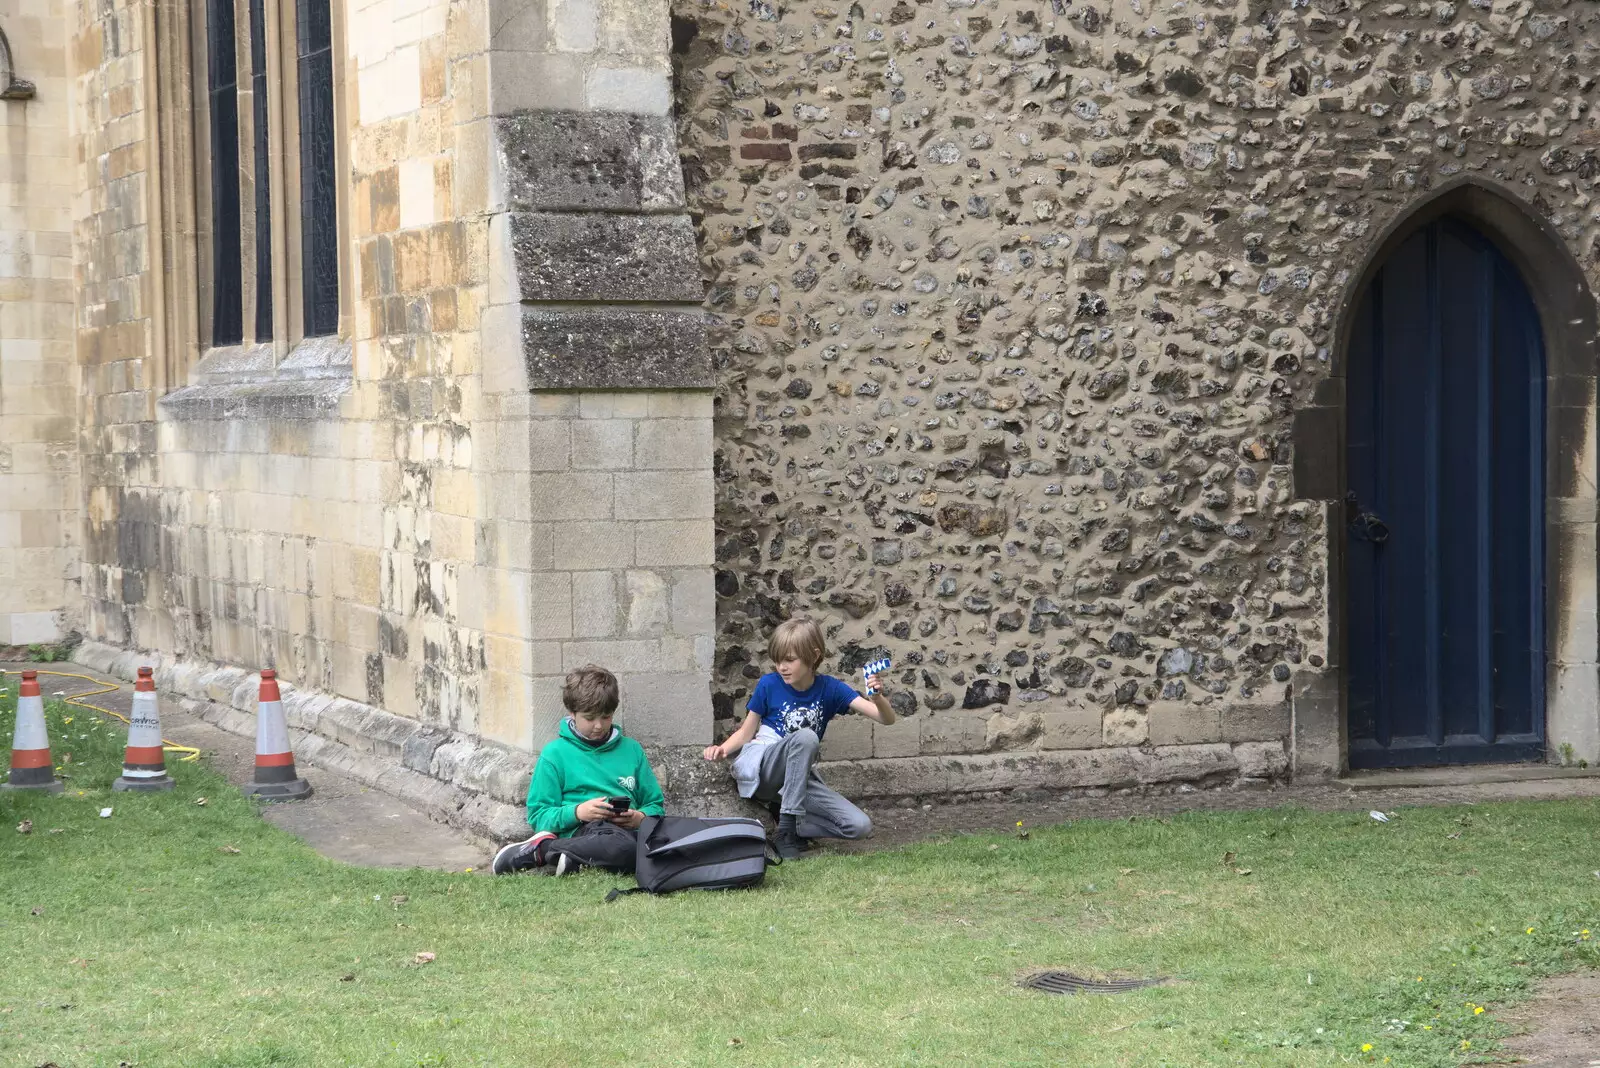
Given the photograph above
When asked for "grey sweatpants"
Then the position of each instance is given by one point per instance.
(789, 777)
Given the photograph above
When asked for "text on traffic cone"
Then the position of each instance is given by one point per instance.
(144, 763)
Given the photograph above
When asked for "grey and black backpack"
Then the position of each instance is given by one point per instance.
(687, 853)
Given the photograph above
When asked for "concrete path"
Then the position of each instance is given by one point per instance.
(342, 819)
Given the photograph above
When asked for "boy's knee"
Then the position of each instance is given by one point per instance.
(856, 825)
(805, 738)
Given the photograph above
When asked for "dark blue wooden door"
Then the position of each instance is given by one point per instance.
(1445, 522)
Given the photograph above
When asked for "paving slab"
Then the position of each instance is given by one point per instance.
(1463, 775)
(342, 819)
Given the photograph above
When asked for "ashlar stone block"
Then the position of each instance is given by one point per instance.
(602, 444)
(595, 604)
(594, 544)
(677, 543)
(649, 606)
(574, 24)
(683, 444)
(638, 90)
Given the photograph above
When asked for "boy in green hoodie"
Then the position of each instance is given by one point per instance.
(589, 765)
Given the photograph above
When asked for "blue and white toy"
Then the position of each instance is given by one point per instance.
(875, 667)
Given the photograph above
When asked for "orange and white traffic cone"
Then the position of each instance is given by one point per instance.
(31, 767)
(144, 763)
(275, 778)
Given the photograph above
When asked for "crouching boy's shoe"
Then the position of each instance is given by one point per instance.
(788, 844)
(521, 856)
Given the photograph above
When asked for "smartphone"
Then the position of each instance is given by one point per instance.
(619, 805)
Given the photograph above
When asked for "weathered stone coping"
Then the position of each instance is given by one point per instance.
(241, 382)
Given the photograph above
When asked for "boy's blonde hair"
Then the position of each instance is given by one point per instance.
(798, 639)
(590, 691)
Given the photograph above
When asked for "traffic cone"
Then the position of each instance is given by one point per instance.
(31, 767)
(144, 763)
(275, 778)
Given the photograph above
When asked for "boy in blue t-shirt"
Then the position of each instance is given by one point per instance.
(774, 750)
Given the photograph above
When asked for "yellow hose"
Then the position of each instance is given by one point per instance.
(78, 699)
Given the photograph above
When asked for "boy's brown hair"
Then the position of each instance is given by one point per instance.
(590, 690)
(800, 639)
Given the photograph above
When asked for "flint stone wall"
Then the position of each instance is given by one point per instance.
(1015, 303)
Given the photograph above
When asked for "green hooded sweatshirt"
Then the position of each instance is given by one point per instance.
(571, 771)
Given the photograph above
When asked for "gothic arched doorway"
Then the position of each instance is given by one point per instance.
(1444, 528)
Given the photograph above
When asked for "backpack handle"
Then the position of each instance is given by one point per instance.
(710, 834)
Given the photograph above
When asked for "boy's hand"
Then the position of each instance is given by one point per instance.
(876, 684)
(629, 819)
(596, 809)
(715, 752)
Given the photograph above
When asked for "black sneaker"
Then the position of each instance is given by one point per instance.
(788, 845)
(521, 856)
(565, 865)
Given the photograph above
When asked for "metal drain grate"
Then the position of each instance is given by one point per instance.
(1067, 983)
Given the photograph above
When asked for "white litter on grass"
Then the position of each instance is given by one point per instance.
(105, 813)
(1380, 817)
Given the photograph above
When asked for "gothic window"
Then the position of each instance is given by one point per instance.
(318, 241)
(222, 98)
(263, 169)
(267, 172)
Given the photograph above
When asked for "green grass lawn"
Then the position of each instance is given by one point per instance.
(178, 934)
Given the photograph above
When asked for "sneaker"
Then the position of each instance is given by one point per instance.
(789, 846)
(565, 865)
(520, 856)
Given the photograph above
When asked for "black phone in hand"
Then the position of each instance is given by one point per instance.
(619, 805)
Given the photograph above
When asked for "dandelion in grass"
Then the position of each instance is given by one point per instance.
(1477, 1010)
(1466, 1043)
(1366, 1047)
(1530, 930)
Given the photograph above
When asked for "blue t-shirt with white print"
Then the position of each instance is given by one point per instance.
(784, 709)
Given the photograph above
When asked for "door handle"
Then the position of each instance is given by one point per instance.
(1366, 526)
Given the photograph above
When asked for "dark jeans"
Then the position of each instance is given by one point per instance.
(598, 844)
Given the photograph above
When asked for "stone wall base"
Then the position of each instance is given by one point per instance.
(1059, 770)
(480, 786)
